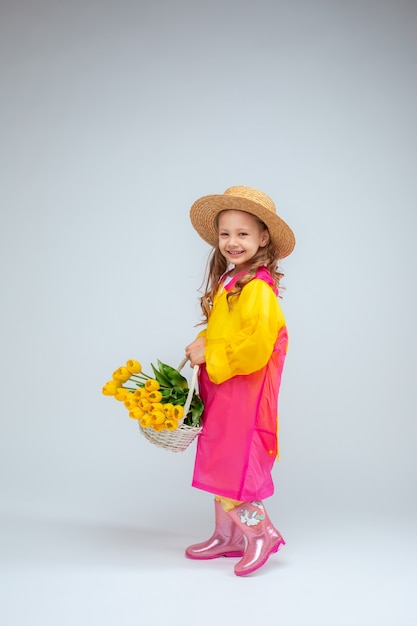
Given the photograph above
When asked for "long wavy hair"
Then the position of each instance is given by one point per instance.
(217, 267)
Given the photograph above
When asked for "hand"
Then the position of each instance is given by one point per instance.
(195, 352)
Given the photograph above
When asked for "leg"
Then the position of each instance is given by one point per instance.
(227, 539)
(262, 537)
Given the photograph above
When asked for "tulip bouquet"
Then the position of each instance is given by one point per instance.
(157, 401)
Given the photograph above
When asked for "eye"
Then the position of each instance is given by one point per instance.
(243, 234)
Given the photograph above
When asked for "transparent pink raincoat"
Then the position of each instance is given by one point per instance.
(239, 385)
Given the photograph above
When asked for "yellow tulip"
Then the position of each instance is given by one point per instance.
(133, 416)
(136, 412)
(156, 406)
(168, 409)
(145, 421)
(178, 412)
(157, 417)
(131, 402)
(140, 393)
(171, 424)
(111, 387)
(144, 404)
(122, 373)
(155, 396)
(122, 394)
(158, 427)
(133, 366)
(151, 385)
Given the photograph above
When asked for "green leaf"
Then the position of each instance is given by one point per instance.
(160, 377)
(173, 375)
(196, 410)
(178, 396)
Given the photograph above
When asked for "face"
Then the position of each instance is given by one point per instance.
(240, 237)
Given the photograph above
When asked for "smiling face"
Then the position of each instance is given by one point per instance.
(240, 237)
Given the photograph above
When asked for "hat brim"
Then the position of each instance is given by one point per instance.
(204, 211)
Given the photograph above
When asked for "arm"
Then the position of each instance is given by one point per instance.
(257, 321)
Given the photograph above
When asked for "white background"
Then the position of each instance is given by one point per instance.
(115, 117)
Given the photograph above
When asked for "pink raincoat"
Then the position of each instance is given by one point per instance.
(239, 385)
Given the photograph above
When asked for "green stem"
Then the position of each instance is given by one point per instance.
(141, 376)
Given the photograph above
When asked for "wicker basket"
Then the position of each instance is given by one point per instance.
(176, 440)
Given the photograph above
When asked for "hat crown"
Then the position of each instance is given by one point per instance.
(250, 193)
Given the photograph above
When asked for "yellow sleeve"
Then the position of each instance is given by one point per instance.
(257, 319)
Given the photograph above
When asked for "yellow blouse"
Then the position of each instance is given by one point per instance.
(241, 340)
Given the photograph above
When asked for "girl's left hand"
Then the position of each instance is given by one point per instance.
(195, 351)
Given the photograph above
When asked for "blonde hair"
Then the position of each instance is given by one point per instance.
(217, 266)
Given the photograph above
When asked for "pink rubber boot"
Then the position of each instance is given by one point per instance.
(227, 539)
(262, 538)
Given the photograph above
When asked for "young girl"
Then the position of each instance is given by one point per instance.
(241, 354)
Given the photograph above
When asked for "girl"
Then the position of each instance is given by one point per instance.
(241, 354)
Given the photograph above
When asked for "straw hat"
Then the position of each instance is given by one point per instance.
(204, 211)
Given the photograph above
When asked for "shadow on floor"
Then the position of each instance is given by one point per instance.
(46, 542)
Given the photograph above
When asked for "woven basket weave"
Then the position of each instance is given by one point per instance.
(176, 440)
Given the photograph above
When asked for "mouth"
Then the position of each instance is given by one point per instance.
(234, 253)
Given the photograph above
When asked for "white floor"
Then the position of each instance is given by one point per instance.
(57, 573)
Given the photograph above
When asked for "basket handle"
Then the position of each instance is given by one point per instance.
(192, 384)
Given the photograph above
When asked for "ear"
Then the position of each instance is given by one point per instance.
(264, 238)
